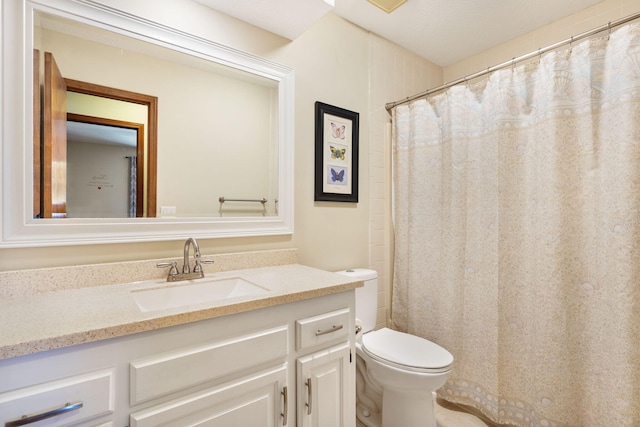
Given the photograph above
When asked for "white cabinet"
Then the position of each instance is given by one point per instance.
(244, 369)
(324, 377)
(323, 388)
(232, 398)
(258, 400)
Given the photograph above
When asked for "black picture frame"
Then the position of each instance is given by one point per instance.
(336, 154)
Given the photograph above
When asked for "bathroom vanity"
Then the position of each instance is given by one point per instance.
(284, 357)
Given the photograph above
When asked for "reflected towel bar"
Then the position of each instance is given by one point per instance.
(223, 199)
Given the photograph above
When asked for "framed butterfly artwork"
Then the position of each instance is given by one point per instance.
(336, 154)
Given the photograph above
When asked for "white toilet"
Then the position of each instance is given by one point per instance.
(397, 373)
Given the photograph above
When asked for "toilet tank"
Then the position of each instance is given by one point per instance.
(366, 297)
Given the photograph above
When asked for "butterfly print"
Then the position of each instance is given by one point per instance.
(337, 131)
(337, 176)
(337, 153)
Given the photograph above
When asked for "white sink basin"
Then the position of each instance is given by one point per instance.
(194, 292)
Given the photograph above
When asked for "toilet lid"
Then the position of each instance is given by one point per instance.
(405, 350)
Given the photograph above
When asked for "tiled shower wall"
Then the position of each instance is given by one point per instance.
(395, 73)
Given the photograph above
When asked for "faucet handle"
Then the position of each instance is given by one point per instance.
(173, 271)
(199, 261)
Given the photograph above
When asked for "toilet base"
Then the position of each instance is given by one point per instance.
(368, 418)
(405, 400)
(407, 409)
(368, 396)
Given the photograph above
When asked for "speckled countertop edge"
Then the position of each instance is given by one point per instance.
(54, 279)
(50, 320)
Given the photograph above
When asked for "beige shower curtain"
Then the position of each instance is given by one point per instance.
(518, 235)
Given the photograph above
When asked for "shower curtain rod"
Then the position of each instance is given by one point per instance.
(612, 24)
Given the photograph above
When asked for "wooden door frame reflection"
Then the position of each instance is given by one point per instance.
(151, 102)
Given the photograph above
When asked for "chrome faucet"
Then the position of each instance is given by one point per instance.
(197, 268)
(187, 273)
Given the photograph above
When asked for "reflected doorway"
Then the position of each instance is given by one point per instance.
(145, 164)
(105, 168)
(54, 102)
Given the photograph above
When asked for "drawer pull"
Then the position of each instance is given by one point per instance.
(328, 331)
(28, 419)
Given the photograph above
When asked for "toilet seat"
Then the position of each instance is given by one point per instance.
(405, 351)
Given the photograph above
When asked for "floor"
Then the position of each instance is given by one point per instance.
(448, 415)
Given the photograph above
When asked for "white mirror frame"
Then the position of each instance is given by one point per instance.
(19, 229)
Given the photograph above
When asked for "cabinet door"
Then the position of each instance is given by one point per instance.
(323, 388)
(258, 400)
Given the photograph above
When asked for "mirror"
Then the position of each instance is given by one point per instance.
(222, 164)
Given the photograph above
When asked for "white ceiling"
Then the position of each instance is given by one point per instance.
(287, 18)
(441, 31)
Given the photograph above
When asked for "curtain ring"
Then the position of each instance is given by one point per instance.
(539, 55)
(609, 27)
(571, 45)
(513, 64)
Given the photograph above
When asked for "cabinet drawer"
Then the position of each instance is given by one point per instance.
(67, 401)
(159, 375)
(256, 401)
(322, 329)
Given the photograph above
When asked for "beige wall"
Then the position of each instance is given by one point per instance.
(332, 64)
(339, 64)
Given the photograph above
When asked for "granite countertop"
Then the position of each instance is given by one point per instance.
(50, 320)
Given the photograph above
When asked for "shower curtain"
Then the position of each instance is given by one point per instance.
(517, 246)
(133, 185)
